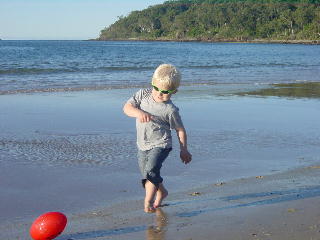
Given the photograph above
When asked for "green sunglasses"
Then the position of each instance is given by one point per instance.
(163, 91)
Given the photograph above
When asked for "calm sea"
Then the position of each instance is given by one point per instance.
(32, 66)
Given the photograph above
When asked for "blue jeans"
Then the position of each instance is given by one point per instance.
(150, 163)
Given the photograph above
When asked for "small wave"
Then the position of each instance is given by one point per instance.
(131, 86)
(241, 65)
(70, 89)
(35, 70)
(15, 48)
(124, 68)
(98, 88)
(71, 69)
(205, 66)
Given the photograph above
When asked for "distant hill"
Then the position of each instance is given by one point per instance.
(218, 20)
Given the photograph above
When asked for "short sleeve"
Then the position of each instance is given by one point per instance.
(135, 100)
(175, 120)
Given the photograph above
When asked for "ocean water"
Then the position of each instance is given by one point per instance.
(36, 66)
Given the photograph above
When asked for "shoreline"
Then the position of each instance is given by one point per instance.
(308, 89)
(262, 41)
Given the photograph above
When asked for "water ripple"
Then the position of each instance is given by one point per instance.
(86, 150)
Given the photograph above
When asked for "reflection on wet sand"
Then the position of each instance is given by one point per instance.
(158, 230)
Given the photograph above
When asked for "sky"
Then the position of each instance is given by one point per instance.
(62, 19)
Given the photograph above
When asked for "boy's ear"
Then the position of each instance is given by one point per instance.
(175, 91)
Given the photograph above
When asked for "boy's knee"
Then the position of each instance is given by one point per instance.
(155, 178)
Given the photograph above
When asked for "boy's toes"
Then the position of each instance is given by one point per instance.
(150, 210)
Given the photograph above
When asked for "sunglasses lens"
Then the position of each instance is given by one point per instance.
(162, 91)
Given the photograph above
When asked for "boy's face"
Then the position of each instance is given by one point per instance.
(157, 92)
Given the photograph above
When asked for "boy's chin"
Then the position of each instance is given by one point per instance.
(159, 100)
(162, 100)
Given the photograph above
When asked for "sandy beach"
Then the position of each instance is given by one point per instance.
(280, 206)
(74, 152)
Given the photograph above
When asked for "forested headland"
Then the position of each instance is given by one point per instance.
(220, 20)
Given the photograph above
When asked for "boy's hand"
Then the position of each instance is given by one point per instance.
(185, 156)
(144, 117)
(135, 112)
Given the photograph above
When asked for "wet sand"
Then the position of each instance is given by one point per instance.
(280, 206)
(75, 153)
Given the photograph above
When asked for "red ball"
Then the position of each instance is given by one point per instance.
(48, 226)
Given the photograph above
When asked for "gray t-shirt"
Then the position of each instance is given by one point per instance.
(165, 116)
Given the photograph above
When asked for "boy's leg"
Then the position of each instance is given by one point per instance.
(151, 190)
(162, 193)
(151, 171)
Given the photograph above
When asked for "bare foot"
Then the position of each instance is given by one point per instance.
(148, 208)
(162, 193)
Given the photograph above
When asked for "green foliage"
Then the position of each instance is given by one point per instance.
(220, 19)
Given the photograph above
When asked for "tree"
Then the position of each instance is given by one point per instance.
(220, 19)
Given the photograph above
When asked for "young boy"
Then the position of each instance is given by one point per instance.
(155, 116)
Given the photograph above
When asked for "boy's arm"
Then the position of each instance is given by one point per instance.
(132, 111)
(185, 156)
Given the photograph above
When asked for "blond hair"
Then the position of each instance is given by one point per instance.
(167, 75)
